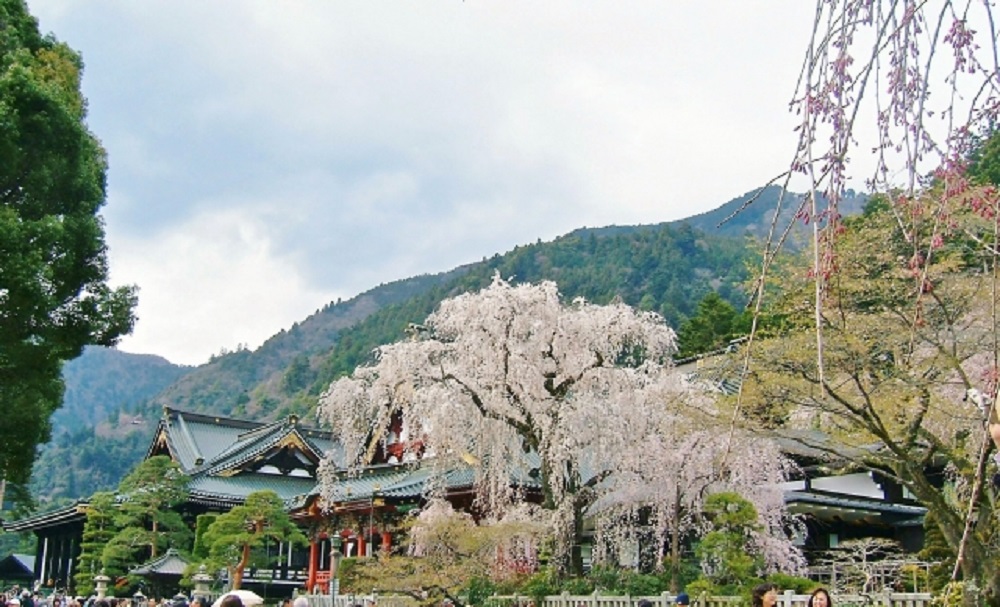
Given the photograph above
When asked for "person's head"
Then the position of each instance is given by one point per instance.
(765, 595)
(300, 602)
(683, 599)
(645, 603)
(820, 598)
(231, 600)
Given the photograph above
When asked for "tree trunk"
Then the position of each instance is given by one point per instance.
(576, 549)
(238, 570)
(675, 543)
(153, 550)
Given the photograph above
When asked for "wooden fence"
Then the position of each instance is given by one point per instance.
(786, 599)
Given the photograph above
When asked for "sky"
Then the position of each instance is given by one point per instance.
(269, 157)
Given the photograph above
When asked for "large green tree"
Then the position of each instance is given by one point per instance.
(233, 537)
(98, 530)
(146, 520)
(715, 324)
(54, 298)
(909, 324)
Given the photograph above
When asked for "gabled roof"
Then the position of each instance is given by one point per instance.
(17, 567)
(171, 563)
(200, 442)
(228, 459)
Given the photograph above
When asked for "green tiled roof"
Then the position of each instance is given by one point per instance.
(238, 487)
(213, 449)
(198, 441)
(171, 563)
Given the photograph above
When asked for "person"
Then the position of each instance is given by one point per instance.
(820, 598)
(765, 595)
(683, 599)
(645, 603)
(300, 601)
(231, 600)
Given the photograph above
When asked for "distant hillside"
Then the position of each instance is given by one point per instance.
(104, 381)
(752, 213)
(103, 423)
(668, 268)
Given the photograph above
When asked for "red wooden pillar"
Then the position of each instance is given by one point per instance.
(386, 542)
(313, 564)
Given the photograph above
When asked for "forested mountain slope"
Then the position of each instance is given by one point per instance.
(667, 267)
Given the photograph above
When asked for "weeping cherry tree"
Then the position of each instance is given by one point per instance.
(521, 385)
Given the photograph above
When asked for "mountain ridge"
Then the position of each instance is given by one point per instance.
(665, 267)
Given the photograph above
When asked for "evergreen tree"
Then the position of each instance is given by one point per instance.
(233, 536)
(54, 299)
(715, 324)
(146, 520)
(98, 530)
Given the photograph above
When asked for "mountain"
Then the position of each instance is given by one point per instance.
(104, 428)
(104, 381)
(753, 214)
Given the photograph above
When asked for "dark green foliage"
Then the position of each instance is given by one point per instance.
(145, 521)
(236, 539)
(103, 428)
(936, 550)
(201, 549)
(98, 530)
(798, 585)
(21, 543)
(712, 327)
(723, 549)
(984, 163)
(54, 299)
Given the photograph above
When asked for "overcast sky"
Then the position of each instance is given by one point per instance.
(269, 157)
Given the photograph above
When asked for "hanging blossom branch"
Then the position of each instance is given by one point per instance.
(881, 61)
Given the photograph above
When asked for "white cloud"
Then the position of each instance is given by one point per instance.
(216, 281)
(320, 148)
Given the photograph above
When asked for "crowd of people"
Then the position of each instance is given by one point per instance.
(17, 597)
(764, 595)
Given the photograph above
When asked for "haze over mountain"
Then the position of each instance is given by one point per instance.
(113, 399)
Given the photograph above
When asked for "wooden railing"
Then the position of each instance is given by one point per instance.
(786, 599)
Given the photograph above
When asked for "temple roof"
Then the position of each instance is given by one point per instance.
(171, 563)
(228, 459)
(199, 442)
(17, 567)
(853, 508)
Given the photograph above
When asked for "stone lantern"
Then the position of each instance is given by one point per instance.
(201, 583)
(101, 584)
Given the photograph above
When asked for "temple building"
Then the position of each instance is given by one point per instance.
(228, 459)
